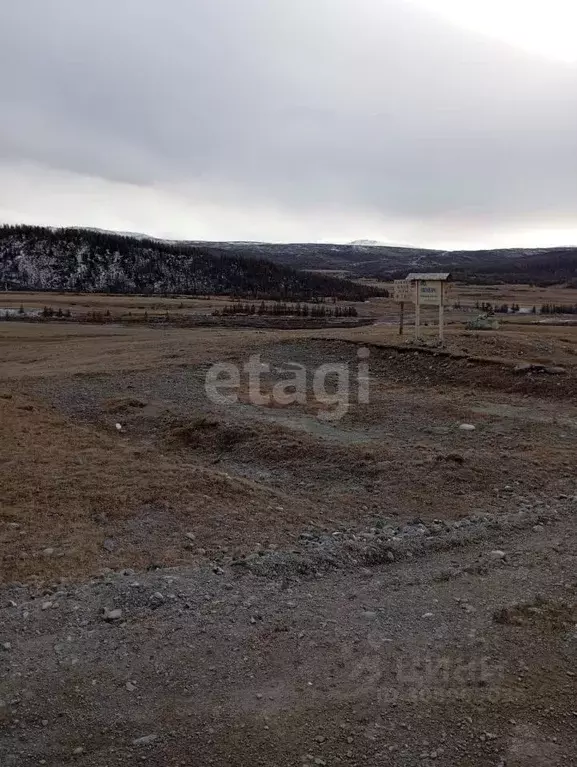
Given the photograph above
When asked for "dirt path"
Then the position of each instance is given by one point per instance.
(415, 662)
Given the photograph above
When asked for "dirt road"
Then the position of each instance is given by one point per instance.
(460, 654)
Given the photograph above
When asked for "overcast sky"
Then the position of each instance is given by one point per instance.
(320, 120)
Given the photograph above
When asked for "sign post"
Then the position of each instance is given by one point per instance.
(441, 313)
(417, 309)
(426, 289)
(430, 290)
(401, 294)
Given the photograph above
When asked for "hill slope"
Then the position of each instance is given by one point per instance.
(513, 265)
(541, 266)
(38, 258)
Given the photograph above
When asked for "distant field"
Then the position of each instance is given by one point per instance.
(80, 304)
(57, 347)
(467, 295)
(83, 302)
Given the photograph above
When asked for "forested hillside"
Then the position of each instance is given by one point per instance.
(38, 258)
(543, 266)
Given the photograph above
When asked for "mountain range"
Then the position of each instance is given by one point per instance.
(76, 259)
(375, 260)
(385, 262)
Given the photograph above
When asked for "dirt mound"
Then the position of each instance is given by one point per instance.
(418, 366)
(77, 499)
(124, 404)
(269, 443)
(390, 542)
(207, 434)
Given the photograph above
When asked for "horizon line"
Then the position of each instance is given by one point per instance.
(368, 244)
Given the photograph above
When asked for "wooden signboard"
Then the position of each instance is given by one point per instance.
(429, 289)
(402, 291)
(430, 292)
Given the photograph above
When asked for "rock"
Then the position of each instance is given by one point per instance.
(436, 528)
(190, 536)
(467, 427)
(78, 751)
(48, 552)
(109, 544)
(428, 615)
(118, 426)
(523, 367)
(145, 740)
(6, 646)
(498, 555)
(112, 615)
(415, 530)
(555, 370)
(47, 605)
(157, 597)
(130, 687)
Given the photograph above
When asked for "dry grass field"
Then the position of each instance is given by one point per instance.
(273, 568)
(64, 466)
(117, 304)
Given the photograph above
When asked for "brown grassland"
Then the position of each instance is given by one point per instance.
(62, 474)
(184, 581)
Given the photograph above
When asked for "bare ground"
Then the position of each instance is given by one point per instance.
(382, 589)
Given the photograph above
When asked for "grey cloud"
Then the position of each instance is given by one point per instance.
(374, 106)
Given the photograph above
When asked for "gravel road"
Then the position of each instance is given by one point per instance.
(457, 648)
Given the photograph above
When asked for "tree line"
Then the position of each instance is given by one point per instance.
(286, 310)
